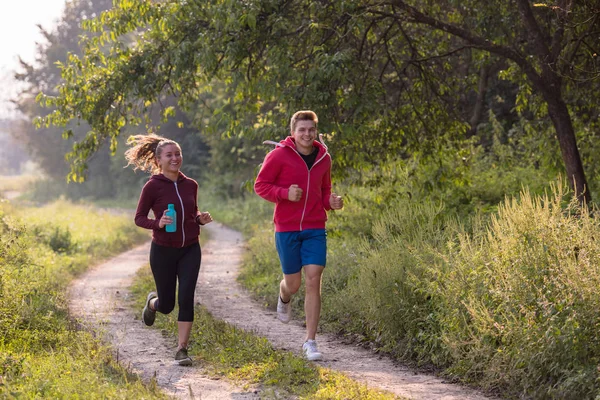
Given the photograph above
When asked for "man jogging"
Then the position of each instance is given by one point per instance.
(296, 176)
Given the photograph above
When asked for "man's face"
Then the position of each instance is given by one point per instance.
(304, 134)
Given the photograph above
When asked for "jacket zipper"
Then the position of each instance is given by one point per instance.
(182, 213)
(307, 184)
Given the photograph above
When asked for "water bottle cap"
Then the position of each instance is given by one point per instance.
(171, 206)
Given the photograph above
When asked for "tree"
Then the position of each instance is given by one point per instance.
(550, 49)
(366, 66)
(46, 143)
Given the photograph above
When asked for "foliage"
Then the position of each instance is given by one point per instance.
(17, 183)
(242, 214)
(524, 287)
(366, 68)
(504, 306)
(47, 145)
(107, 178)
(233, 158)
(504, 301)
(42, 355)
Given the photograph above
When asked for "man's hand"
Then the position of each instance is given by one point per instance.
(294, 193)
(204, 218)
(336, 202)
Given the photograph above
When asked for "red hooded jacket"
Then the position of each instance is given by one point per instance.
(284, 167)
(156, 194)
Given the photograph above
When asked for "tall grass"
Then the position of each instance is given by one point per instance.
(519, 307)
(17, 183)
(507, 302)
(511, 306)
(42, 355)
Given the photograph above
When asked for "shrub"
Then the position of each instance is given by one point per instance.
(519, 301)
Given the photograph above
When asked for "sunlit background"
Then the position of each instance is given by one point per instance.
(19, 33)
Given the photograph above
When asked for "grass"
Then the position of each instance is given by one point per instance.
(16, 183)
(506, 301)
(251, 361)
(42, 354)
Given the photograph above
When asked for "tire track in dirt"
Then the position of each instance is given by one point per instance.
(98, 301)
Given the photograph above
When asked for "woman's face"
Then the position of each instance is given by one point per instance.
(170, 158)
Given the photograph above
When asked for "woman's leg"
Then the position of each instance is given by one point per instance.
(184, 329)
(188, 268)
(163, 262)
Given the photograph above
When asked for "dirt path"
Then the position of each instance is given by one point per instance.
(98, 300)
(226, 300)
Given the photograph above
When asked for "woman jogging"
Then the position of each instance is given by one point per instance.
(174, 256)
(296, 176)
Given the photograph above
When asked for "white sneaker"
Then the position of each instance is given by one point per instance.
(284, 310)
(311, 353)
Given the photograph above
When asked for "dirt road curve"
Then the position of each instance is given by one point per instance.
(97, 298)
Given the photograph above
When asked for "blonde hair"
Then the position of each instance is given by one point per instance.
(304, 115)
(145, 150)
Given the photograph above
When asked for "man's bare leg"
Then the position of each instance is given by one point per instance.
(289, 285)
(312, 302)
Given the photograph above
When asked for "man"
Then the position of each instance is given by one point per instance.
(296, 176)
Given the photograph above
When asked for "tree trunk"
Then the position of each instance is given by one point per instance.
(559, 114)
(479, 103)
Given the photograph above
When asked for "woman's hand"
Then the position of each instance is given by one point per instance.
(164, 220)
(204, 218)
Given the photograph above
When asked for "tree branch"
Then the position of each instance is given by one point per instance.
(457, 50)
(581, 40)
(540, 47)
(564, 7)
(475, 40)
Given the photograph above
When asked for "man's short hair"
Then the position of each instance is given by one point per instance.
(304, 115)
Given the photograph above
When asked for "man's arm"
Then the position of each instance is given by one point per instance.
(265, 185)
(326, 189)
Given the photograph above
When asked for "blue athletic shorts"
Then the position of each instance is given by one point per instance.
(300, 248)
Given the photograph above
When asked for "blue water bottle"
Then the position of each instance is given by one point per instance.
(172, 227)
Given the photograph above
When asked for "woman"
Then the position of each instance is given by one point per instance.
(174, 256)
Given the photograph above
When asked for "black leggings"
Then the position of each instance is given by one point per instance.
(170, 264)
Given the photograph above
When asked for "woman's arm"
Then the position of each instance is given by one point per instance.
(143, 208)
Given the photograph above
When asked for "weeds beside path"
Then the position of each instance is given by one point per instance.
(99, 298)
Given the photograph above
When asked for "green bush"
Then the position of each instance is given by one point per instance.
(510, 306)
(507, 301)
(387, 298)
(519, 301)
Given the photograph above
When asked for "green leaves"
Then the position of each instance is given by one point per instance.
(391, 81)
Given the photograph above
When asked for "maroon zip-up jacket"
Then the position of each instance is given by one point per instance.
(156, 194)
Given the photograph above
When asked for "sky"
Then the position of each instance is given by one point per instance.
(18, 35)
